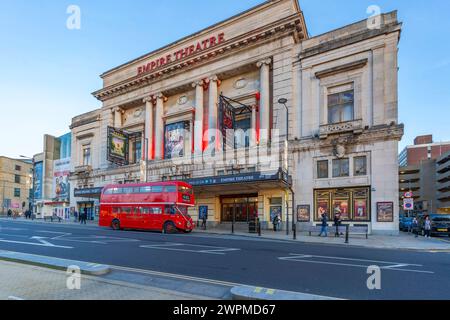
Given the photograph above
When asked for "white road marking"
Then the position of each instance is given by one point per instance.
(179, 247)
(393, 266)
(40, 244)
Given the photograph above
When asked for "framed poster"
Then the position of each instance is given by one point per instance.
(203, 212)
(303, 213)
(341, 207)
(360, 210)
(275, 211)
(385, 211)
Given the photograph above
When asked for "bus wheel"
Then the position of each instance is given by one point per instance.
(169, 228)
(115, 225)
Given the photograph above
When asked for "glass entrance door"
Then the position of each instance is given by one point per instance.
(243, 209)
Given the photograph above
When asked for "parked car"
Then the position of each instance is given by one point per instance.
(440, 225)
(405, 224)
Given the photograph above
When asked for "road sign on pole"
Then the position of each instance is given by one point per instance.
(408, 204)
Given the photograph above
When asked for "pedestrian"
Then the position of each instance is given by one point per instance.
(204, 222)
(337, 223)
(85, 216)
(9, 213)
(75, 214)
(324, 225)
(415, 227)
(427, 227)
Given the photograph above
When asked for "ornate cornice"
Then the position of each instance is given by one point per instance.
(374, 134)
(289, 26)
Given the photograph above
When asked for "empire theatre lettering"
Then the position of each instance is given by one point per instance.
(183, 53)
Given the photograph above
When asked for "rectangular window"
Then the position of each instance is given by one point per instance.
(341, 168)
(341, 107)
(18, 168)
(322, 169)
(87, 156)
(137, 147)
(17, 192)
(17, 178)
(360, 166)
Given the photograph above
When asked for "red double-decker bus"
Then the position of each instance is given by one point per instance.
(147, 206)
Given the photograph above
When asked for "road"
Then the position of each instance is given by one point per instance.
(219, 262)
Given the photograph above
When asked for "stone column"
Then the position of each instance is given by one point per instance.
(198, 127)
(264, 111)
(148, 141)
(253, 129)
(213, 108)
(159, 126)
(117, 117)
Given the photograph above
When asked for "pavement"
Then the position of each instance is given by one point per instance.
(25, 282)
(212, 265)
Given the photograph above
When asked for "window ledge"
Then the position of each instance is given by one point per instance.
(355, 126)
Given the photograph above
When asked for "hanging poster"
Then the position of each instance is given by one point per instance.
(175, 140)
(61, 186)
(37, 181)
(117, 146)
(274, 212)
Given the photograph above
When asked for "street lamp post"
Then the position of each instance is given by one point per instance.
(31, 207)
(283, 101)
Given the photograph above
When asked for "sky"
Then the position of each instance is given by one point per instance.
(48, 72)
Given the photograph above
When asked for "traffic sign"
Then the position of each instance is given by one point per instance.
(408, 204)
(408, 194)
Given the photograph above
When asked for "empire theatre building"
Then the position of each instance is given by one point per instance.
(262, 119)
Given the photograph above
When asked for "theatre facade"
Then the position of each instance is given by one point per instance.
(260, 117)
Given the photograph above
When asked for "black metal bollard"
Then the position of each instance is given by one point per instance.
(347, 231)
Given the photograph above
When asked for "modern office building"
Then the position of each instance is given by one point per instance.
(443, 183)
(424, 148)
(15, 184)
(260, 117)
(51, 189)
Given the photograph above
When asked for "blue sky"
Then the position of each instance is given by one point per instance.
(48, 72)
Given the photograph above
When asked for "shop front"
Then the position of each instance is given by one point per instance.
(241, 198)
(88, 202)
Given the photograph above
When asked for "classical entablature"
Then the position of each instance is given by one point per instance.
(224, 45)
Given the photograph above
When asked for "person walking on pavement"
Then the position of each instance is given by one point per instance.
(427, 227)
(337, 223)
(324, 225)
(415, 227)
(9, 213)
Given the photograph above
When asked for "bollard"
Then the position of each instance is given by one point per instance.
(259, 228)
(294, 231)
(347, 231)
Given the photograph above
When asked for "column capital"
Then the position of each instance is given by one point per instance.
(214, 78)
(264, 62)
(117, 109)
(199, 83)
(149, 99)
(161, 96)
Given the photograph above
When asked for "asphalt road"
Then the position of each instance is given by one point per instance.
(223, 261)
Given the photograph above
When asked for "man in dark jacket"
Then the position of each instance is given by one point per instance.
(324, 225)
(337, 223)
